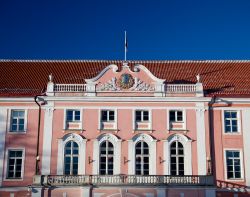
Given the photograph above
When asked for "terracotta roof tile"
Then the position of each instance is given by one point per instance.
(28, 78)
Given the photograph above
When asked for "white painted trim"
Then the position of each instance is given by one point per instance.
(82, 152)
(149, 118)
(47, 139)
(201, 139)
(117, 152)
(184, 117)
(3, 126)
(187, 145)
(246, 143)
(25, 121)
(238, 121)
(139, 67)
(94, 79)
(65, 116)
(130, 99)
(152, 153)
(6, 163)
(100, 116)
(241, 165)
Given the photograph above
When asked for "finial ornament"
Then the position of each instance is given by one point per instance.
(198, 78)
(51, 78)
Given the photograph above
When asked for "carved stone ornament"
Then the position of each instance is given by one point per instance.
(109, 86)
(126, 81)
(142, 86)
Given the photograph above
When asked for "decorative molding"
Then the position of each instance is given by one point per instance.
(109, 86)
(82, 152)
(141, 86)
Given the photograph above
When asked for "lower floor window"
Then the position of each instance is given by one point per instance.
(71, 154)
(141, 158)
(15, 162)
(233, 164)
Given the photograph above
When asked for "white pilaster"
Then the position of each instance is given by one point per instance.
(3, 122)
(152, 159)
(85, 192)
(117, 157)
(201, 139)
(131, 160)
(246, 143)
(60, 157)
(47, 138)
(95, 157)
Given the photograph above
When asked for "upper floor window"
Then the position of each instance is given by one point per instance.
(14, 165)
(231, 121)
(107, 115)
(176, 116)
(233, 164)
(141, 115)
(71, 154)
(73, 115)
(17, 121)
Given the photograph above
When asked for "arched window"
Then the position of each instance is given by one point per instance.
(71, 154)
(106, 158)
(176, 158)
(141, 158)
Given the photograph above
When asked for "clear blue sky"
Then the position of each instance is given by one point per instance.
(94, 29)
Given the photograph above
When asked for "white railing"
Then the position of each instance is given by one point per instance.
(180, 88)
(69, 87)
(168, 88)
(128, 180)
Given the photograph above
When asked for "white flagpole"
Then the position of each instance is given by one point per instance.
(125, 49)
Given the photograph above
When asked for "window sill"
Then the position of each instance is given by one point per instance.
(106, 130)
(141, 130)
(73, 130)
(236, 180)
(17, 132)
(178, 130)
(14, 179)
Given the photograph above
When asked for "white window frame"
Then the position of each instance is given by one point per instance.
(100, 118)
(142, 156)
(149, 119)
(72, 155)
(152, 153)
(242, 179)
(117, 153)
(184, 120)
(77, 121)
(177, 156)
(25, 121)
(82, 152)
(7, 165)
(238, 122)
(106, 155)
(187, 145)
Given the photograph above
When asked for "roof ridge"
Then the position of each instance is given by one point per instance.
(129, 61)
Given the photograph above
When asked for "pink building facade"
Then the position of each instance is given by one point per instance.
(123, 129)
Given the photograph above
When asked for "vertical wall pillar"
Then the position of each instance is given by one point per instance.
(201, 139)
(36, 192)
(3, 122)
(47, 138)
(86, 192)
(246, 143)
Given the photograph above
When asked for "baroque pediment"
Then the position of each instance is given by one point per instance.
(140, 79)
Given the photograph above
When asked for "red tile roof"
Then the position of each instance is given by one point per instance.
(29, 77)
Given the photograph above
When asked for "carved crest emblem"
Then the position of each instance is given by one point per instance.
(126, 81)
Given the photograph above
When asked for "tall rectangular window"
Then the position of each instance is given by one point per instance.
(233, 164)
(141, 115)
(107, 115)
(231, 121)
(14, 166)
(73, 115)
(17, 121)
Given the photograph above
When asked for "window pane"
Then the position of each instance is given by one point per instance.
(179, 116)
(111, 115)
(104, 115)
(138, 115)
(227, 114)
(172, 116)
(234, 114)
(145, 116)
